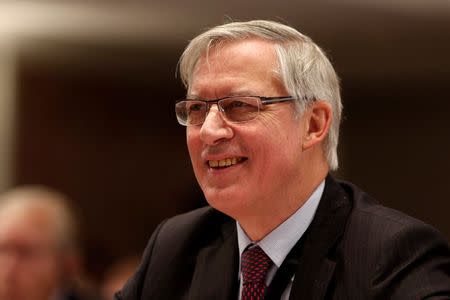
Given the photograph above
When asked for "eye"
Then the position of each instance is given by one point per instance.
(237, 104)
(240, 109)
(240, 104)
(195, 107)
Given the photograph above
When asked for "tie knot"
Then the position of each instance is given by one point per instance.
(255, 265)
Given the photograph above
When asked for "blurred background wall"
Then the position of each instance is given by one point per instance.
(87, 92)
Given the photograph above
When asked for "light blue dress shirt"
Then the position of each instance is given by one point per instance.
(278, 243)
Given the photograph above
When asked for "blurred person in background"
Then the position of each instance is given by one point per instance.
(262, 116)
(39, 253)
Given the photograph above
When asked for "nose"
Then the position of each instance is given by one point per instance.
(215, 128)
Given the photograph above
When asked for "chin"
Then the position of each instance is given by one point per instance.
(231, 204)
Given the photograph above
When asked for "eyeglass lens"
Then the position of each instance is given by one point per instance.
(235, 109)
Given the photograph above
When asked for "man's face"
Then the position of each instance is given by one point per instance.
(267, 150)
(29, 264)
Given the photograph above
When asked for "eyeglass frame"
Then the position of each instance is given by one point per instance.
(263, 100)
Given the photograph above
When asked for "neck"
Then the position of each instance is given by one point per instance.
(260, 224)
(257, 228)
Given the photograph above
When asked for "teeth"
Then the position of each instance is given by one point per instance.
(224, 162)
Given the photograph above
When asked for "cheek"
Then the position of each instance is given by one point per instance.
(278, 153)
(194, 147)
(192, 138)
(48, 271)
(190, 141)
(50, 277)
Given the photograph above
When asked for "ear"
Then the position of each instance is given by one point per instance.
(318, 121)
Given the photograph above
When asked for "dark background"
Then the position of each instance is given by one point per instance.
(94, 115)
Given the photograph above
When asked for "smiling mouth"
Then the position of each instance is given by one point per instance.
(225, 163)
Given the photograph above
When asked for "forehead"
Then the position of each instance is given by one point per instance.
(25, 225)
(235, 65)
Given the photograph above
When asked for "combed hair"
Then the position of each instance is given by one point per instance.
(303, 67)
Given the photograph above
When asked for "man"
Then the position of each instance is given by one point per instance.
(38, 252)
(262, 115)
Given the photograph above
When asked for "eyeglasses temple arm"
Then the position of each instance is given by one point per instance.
(269, 100)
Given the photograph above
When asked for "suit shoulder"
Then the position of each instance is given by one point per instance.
(174, 245)
(190, 230)
(391, 253)
(193, 221)
(373, 230)
(367, 211)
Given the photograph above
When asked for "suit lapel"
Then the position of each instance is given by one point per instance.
(316, 265)
(215, 275)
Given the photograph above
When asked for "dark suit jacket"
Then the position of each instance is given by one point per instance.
(353, 249)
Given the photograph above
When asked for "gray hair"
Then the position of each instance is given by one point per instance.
(304, 69)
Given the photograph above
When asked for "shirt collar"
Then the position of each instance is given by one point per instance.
(280, 241)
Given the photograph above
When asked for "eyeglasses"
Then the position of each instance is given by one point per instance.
(236, 109)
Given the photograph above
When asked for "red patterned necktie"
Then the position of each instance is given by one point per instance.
(255, 265)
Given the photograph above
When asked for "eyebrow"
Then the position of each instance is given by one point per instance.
(232, 94)
(193, 97)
